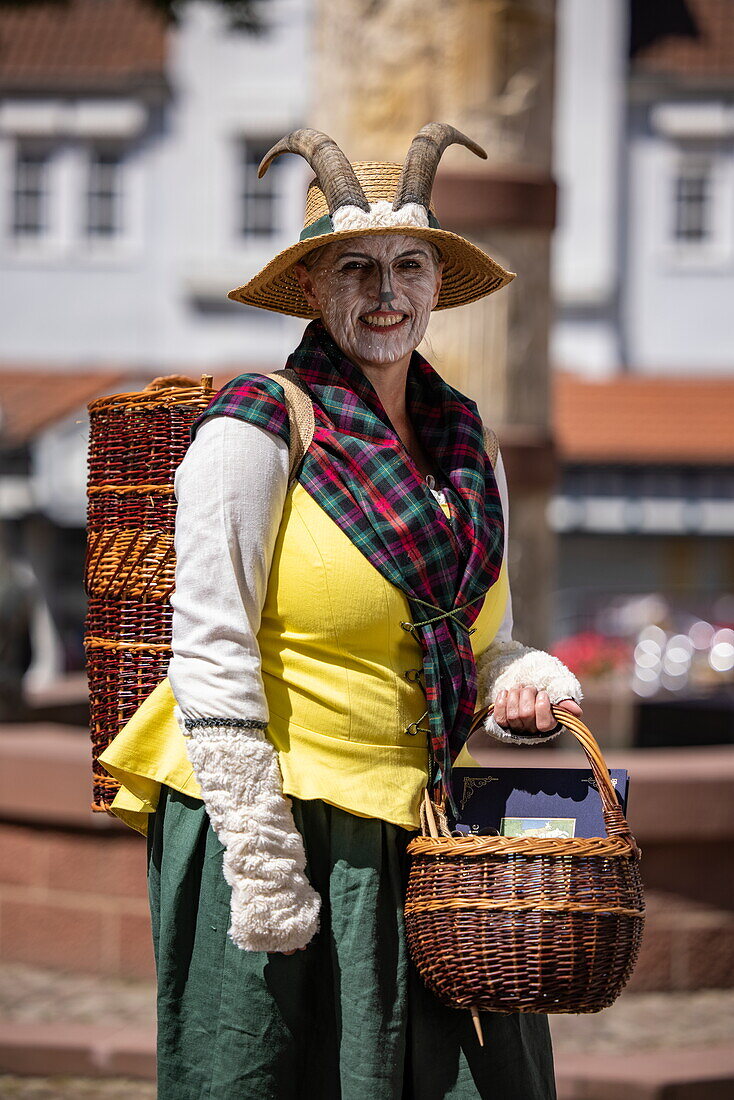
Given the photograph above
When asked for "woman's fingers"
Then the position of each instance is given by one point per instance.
(500, 708)
(529, 710)
(544, 718)
(571, 706)
(516, 708)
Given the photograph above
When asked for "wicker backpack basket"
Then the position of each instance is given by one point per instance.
(136, 442)
(527, 924)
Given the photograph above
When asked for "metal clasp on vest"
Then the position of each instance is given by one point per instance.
(415, 676)
(415, 727)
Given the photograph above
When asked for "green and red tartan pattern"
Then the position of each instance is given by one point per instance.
(361, 475)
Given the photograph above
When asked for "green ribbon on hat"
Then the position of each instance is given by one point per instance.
(324, 225)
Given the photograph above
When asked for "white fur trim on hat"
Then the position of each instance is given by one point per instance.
(509, 664)
(273, 905)
(381, 215)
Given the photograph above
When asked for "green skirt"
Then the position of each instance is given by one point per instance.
(348, 1018)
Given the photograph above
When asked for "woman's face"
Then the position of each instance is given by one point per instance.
(375, 294)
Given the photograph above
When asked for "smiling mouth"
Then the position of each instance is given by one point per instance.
(383, 319)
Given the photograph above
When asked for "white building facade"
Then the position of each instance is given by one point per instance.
(127, 217)
(644, 249)
(644, 333)
(129, 207)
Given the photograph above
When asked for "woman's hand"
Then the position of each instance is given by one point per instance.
(527, 710)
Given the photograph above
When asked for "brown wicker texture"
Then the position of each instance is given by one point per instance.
(528, 924)
(136, 442)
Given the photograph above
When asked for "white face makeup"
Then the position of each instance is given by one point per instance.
(375, 294)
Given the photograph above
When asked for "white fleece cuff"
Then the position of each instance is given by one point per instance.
(273, 905)
(510, 664)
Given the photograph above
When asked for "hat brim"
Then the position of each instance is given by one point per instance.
(468, 272)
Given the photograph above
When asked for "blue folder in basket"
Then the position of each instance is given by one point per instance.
(546, 802)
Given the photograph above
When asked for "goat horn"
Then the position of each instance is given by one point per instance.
(334, 173)
(419, 169)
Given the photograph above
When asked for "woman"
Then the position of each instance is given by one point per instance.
(332, 638)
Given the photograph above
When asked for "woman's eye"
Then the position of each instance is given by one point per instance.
(353, 265)
(410, 263)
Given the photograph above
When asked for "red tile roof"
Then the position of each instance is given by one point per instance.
(110, 45)
(629, 419)
(709, 54)
(31, 400)
(637, 420)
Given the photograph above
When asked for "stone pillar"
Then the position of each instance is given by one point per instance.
(382, 69)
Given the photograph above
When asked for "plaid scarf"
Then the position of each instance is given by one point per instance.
(359, 472)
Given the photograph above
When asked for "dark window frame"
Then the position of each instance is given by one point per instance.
(693, 202)
(30, 200)
(258, 200)
(104, 193)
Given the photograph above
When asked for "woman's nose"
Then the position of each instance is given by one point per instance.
(386, 291)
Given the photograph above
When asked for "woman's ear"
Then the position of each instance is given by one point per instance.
(306, 284)
(439, 282)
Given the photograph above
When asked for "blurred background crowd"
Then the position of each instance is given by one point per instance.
(130, 135)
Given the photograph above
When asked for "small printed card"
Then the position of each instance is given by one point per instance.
(538, 826)
(540, 802)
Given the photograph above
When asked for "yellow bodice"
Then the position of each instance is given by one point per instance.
(343, 712)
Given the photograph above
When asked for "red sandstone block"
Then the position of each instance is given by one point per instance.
(22, 855)
(135, 946)
(98, 864)
(40, 1049)
(133, 1054)
(653, 969)
(47, 934)
(686, 945)
(77, 1050)
(710, 958)
(700, 1074)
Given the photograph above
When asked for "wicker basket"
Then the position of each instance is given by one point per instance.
(525, 924)
(137, 440)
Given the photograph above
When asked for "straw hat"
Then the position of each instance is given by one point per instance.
(371, 199)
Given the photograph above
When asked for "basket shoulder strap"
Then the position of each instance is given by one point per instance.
(300, 417)
(491, 444)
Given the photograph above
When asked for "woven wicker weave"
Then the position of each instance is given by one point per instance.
(528, 924)
(136, 442)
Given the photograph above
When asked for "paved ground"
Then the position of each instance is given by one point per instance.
(650, 1021)
(73, 1088)
(645, 1021)
(29, 995)
(642, 1022)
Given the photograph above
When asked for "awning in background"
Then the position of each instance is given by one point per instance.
(639, 420)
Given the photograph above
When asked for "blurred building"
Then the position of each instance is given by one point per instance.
(644, 332)
(130, 205)
(129, 159)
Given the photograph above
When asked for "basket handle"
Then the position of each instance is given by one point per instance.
(614, 820)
